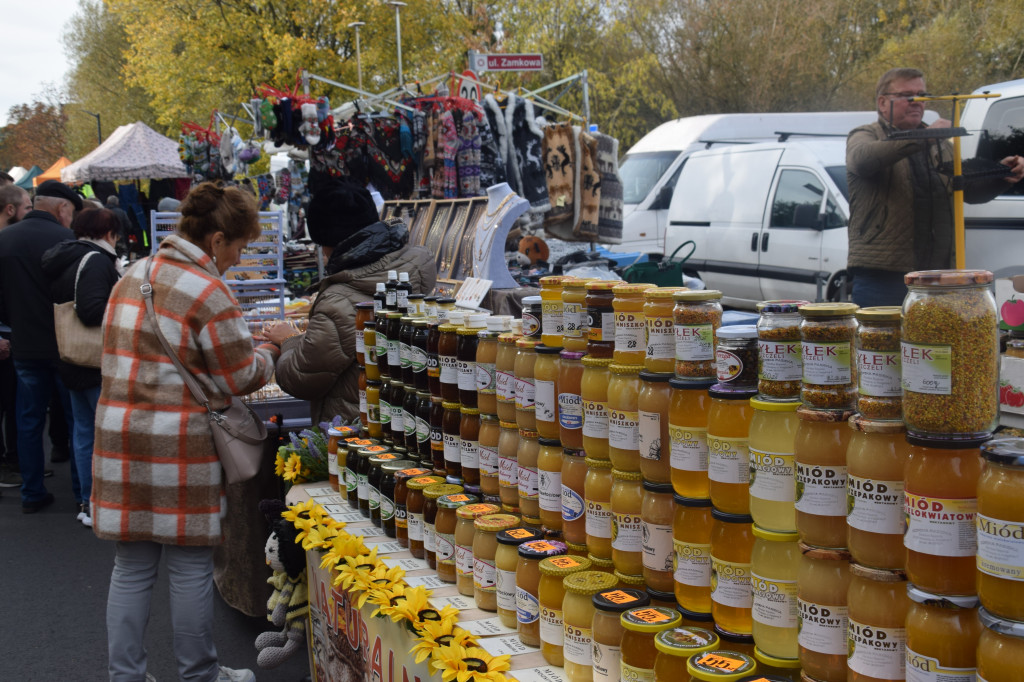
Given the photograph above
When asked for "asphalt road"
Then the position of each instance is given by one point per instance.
(55, 575)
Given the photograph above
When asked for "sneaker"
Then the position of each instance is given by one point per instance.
(229, 675)
(84, 515)
(33, 507)
(9, 479)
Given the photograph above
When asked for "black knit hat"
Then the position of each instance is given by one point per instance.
(338, 210)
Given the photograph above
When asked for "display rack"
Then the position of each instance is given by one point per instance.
(445, 226)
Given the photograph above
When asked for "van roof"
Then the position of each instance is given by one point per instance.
(1006, 88)
(828, 151)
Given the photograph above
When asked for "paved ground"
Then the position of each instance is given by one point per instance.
(55, 575)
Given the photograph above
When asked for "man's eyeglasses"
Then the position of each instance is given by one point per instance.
(906, 95)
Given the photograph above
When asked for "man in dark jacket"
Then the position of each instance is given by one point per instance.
(26, 305)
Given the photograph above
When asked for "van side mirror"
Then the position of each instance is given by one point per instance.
(663, 199)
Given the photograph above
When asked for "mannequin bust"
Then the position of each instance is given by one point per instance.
(503, 207)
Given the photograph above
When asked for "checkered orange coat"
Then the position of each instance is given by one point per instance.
(156, 475)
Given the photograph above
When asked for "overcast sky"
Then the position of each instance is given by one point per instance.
(31, 53)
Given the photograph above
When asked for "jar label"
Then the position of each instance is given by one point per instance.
(508, 472)
(779, 361)
(656, 544)
(531, 325)
(332, 463)
(362, 401)
(630, 332)
(394, 353)
(529, 483)
(488, 461)
(927, 368)
(601, 325)
(527, 607)
(878, 373)
(415, 526)
(444, 545)
(627, 532)
(452, 452)
(360, 342)
(505, 385)
(449, 369)
(820, 490)
(939, 526)
(927, 669)
(545, 400)
(385, 413)
(649, 434)
(661, 339)
(351, 481)
(429, 540)
(373, 412)
(484, 573)
(408, 424)
(362, 488)
(728, 365)
(574, 320)
(578, 644)
(573, 506)
(875, 506)
(570, 411)
(728, 460)
(464, 559)
(469, 454)
(436, 437)
(623, 429)
(433, 365)
(387, 509)
(689, 448)
(505, 587)
(1000, 547)
(595, 419)
(526, 394)
(417, 359)
(401, 516)
(404, 354)
(599, 519)
(485, 376)
(877, 652)
(631, 673)
(692, 565)
(694, 342)
(772, 475)
(467, 375)
(774, 602)
(826, 364)
(422, 430)
(822, 627)
(396, 419)
(730, 584)
(551, 318)
(551, 625)
(550, 489)
(382, 345)
(607, 661)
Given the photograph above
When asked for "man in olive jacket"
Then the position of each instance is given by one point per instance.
(901, 208)
(320, 365)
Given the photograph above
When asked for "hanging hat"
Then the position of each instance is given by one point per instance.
(55, 188)
(338, 210)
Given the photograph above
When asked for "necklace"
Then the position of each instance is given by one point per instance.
(490, 229)
(501, 205)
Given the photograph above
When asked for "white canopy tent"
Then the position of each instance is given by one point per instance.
(132, 152)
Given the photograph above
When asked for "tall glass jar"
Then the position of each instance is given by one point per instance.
(574, 506)
(657, 514)
(877, 344)
(772, 464)
(553, 323)
(875, 459)
(779, 366)
(549, 484)
(652, 435)
(1000, 519)
(473, 580)
(942, 636)
(506, 560)
(732, 542)
(579, 614)
(545, 372)
(415, 502)
(468, 340)
(433, 359)
(529, 479)
(370, 354)
(486, 362)
(688, 434)
(774, 564)
(447, 356)
(373, 427)
(641, 624)
(445, 525)
(623, 417)
(736, 356)
(570, 400)
(661, 338)
(469, 444)
(950, 345)
(532, 314)
(526, 389)
(822, 584)
(508, 467)
(696, 317)
(728, 437)
(822, 438)
(490, 437)
(691, 540)
(826, 334)
(1000, 649)
(450, 428)
(594, 394)
(574, 314)
(598, 497)
(551, 593)
(423, 409)
(405, 333)
(609, 604)
(627, 530)
(437, 434)
(528, 586)
(394, 324)
(600, 318)
(505, 377)
(401, 494)
(878, 606)
(630, 324)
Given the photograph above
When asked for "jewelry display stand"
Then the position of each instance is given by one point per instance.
(503, 207)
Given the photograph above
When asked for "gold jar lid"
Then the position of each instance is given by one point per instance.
(432, 492)
(695, 296)
(596, 362)
(947, 278)
(881, 313)
(828, 309)
(563, 565)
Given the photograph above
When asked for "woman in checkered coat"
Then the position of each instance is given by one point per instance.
(158, 486)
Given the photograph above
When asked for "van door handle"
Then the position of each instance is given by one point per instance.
(753, 242)
(764, 242)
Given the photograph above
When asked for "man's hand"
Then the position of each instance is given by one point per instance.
(1016, 166)
(941, 123)
(5, 349)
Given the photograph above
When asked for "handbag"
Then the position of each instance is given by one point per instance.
(238, 433)
(77, 343)
(665, 273)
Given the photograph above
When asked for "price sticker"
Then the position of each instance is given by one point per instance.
(719, 662)
(618, 597)
(387, 455)
(540, 546)
(563, 562)
(474, 508)
(457, 498)
(424, 479)
(376, 448)
(519, 533)
(649, 615)
(414, 472)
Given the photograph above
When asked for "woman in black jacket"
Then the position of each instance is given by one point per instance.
(97, 231)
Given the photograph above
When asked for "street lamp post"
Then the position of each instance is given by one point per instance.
(398, 33)
(359, 60)
(99, 130)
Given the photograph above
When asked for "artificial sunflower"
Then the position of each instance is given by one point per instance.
(301, 510)
(469, 664)
(279, 465)
(293, 470)
(435, 634)
(388, 596)
(320, 536)
(415, 600)
(343, 545)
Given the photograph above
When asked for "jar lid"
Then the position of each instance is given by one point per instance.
(548, 350)
(530, 300)
(663, 597)
(692, 384)
(550, 442)
(363, 305)
(704, 295)
(422, 482)
(828, 309)
(474, 490)
(377, 460)
(541, 549)
(423, 394)
(370, 324)
(620, 475)
(487, 522)
(733, 637)
(588, 582)
(473, 508)
(947, 278)
(878, 575)
(602, 284)
(445, 300)
(650, 618)
(489, 417)
(696, 616)
(662, 292)
(470, 331)
(824, 553)
(436, 400)
(410, 473)
(373, 450)
(880, 313)
(451, 405)
(729, 392)
(438, 490)
(374, 382)
(534, 521)
(808, 414)
(571, 452)
(685, 641)
(340, 431)
(418, 296)
(775, 535)
(635, 580)
(775, 661)
(621, 599)
(598, 463)
(359, 443)
(516, 536)
(564, 565)
(661, 488)
(628, 288)
(448, 327)
(726, 517)
(407, 319)
(476, 320)
(528, 433)
(573, 355)
(655, 377)
(859, 422)
(508, 337)
(457, 500)
(918, 595)
(509, 508)
(552, 280)
(780, 306)
(394, 315)
(396, 383)
(625, 369)
(604, 563)
(1000, 625)
(527, 343)
(469, 410)
(947, 442)
(589, 361)
(774, 405)
(398, 465)
(455, 317)
(1004, 451)
(455, 480)
(737, 331)
(691, 501)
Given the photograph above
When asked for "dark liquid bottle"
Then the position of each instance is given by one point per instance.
(402, 292)
(418, 355)
(405, 338)
(423, 428)
(437, 435)
(433, 362)
(379, 298)
(391, 291)
(381, 333)
(409, 420)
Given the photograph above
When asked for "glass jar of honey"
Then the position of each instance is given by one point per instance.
(736, 356)
(1000, 536)
(526, 388)
(1000, 649)
(822, 438)
(579, 615)
(823, 582)
(630, 323)
(373, 427)
(486, 362)
(779, 366)
(490, 436)
(423, 409)
(600, 318)
(529, 479)
(661, 338)
(466, 345)
(609, 605)
(696, 318)
(826, 334)
(878, 606)
(627, 523)
(877, 346)
(688, 435)
(573, 504)
(401, 502)
(549, 483)
(505, 377)
(551, 593)
(728, 448)
(508, 467)
(597, 494)
(875, 459)
(528, 586)
(483, 553)
(941, 505)
(942, 636)
(506, 560)
(594, 395)
(447, 357)
(732, 542)
(774, 565)
(691, 540)
(570, 399)
(388, 506)
(772, 464)
(437, 413)
(652, 433)
(552, 321)
(450, 428)
(657, 514)
(394, 325)
(370, 354)
(532, 314)
(431, 495)
(676, 647)
(433, 360)
(574, 313)
(640, 625)
(415, 501)
(623, 417)
(445, 523)
(469, 444)
(461, 540)
(545, 392)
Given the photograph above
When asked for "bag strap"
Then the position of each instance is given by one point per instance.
(78, 273)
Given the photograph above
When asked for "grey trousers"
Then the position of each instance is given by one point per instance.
(131, 589)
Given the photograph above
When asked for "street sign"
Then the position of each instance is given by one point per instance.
(507, 62)
(468, 89)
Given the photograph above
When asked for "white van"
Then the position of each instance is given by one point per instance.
(651, 167)
(768, 219)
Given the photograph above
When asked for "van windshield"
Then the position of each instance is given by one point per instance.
(838, 175)
(639, 173)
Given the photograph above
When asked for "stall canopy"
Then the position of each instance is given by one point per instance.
(51, 173)
(17, 172)
(25, 182)
(132, 152)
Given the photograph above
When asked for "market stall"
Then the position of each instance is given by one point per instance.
(53, 172)
(132, 152)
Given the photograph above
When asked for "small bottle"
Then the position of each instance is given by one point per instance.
(402, 292)
(379, 298)
(391, 291)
